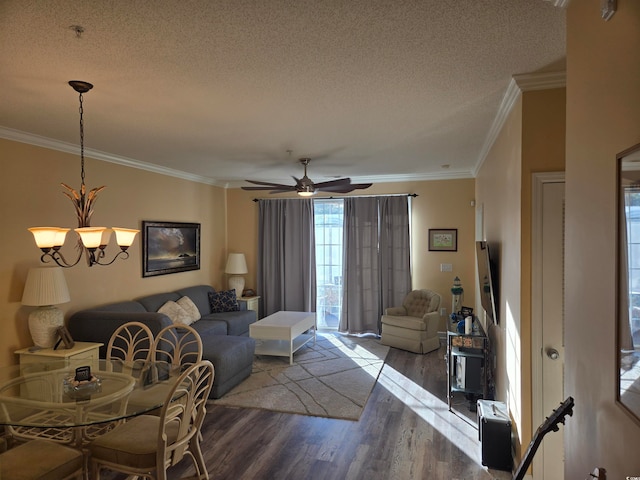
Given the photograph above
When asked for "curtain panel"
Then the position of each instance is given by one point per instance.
(376, 260)
(286, 255)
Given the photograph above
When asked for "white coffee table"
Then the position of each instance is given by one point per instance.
(283, 333)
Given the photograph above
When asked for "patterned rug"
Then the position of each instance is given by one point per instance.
(332, 378)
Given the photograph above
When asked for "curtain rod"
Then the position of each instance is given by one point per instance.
(349, 196)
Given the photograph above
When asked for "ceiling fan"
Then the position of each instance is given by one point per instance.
(306, 188)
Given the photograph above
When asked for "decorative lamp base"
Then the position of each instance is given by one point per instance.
(43, 323)
(236, 282)
(456, 303)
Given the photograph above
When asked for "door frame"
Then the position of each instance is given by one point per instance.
(537, 413)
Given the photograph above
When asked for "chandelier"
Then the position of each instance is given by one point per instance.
(92, 241)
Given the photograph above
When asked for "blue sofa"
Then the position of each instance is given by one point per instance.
(225, 336)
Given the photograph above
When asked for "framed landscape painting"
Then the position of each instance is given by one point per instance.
(443, 240)
(170, 247)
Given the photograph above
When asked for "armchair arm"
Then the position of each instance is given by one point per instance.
(395, 311)
(432, 320)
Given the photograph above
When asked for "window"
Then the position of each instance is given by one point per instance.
(632, 214)
(328, 219)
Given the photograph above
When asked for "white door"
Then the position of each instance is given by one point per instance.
(547, 318)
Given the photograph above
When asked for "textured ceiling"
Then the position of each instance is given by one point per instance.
(373, 89)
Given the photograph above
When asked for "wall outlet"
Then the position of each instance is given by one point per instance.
(446, 267)
(443, 312)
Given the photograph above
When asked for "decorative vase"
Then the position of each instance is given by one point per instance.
(43, 323)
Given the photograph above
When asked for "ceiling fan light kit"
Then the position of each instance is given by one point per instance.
(306, 188)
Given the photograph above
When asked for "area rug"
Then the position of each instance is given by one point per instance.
(332, 378)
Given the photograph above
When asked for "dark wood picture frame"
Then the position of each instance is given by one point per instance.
(65, 338)
(443, 239)
(170, 247)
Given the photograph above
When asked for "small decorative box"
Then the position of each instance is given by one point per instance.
(81, 389)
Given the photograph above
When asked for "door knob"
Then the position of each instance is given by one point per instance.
(552, 353)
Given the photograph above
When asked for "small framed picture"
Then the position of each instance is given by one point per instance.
(65, 338)
(443, 239)
(466, 311)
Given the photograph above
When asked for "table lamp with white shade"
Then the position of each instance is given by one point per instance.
(236, 267)
(45, 287)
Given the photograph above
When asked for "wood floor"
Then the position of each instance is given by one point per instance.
(405, 432)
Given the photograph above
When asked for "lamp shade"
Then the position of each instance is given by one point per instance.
(236, 264)
(45, 286)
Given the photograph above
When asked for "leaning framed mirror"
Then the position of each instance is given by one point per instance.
(628, 318)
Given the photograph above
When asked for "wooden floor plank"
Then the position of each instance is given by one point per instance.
(405, 432)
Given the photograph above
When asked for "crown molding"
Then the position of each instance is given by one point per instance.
(540, 81)
(39, 141)
(559, 3)
(518, 84)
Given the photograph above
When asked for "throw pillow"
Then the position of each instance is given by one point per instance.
(188, 306)
(175, 312)
(224, 301)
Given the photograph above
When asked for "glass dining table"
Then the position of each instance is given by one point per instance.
(73, 404)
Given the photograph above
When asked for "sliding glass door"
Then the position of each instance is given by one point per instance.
(328, 215)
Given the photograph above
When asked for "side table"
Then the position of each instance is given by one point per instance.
(253, 303)
(81, 351)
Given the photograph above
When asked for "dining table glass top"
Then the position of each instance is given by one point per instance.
(54, 394)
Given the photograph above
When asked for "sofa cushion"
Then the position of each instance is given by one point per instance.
(232, 358)
(237, 322)
(187, 304)
(176, 313)
(199, 295)
(224, 301)
(129, 306)
(207, 327)
(153, 302)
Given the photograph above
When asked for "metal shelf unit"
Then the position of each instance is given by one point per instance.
(468, 366)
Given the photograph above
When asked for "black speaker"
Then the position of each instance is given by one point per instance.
(494, 429)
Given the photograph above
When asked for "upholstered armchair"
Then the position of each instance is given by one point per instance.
(414, 325)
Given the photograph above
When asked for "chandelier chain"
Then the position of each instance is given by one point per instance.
(81, 140)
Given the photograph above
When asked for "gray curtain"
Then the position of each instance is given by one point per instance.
(286, 255)
(376, 260)
(395, 247)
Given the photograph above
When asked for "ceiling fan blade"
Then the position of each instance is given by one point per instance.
(360, 186)
(279, 188)
(306, 185)
(341, 182)
(267, 184)
(346, 188)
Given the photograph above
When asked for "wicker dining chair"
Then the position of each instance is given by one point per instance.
(175, 348)
(147, 445)
(130, 342)
(130, 348)
(179, 345)
(41, 460)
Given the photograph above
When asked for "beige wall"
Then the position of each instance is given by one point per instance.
(603, 118)
(532, 140)
(31, 196)
(498, 190)
(439, 204)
